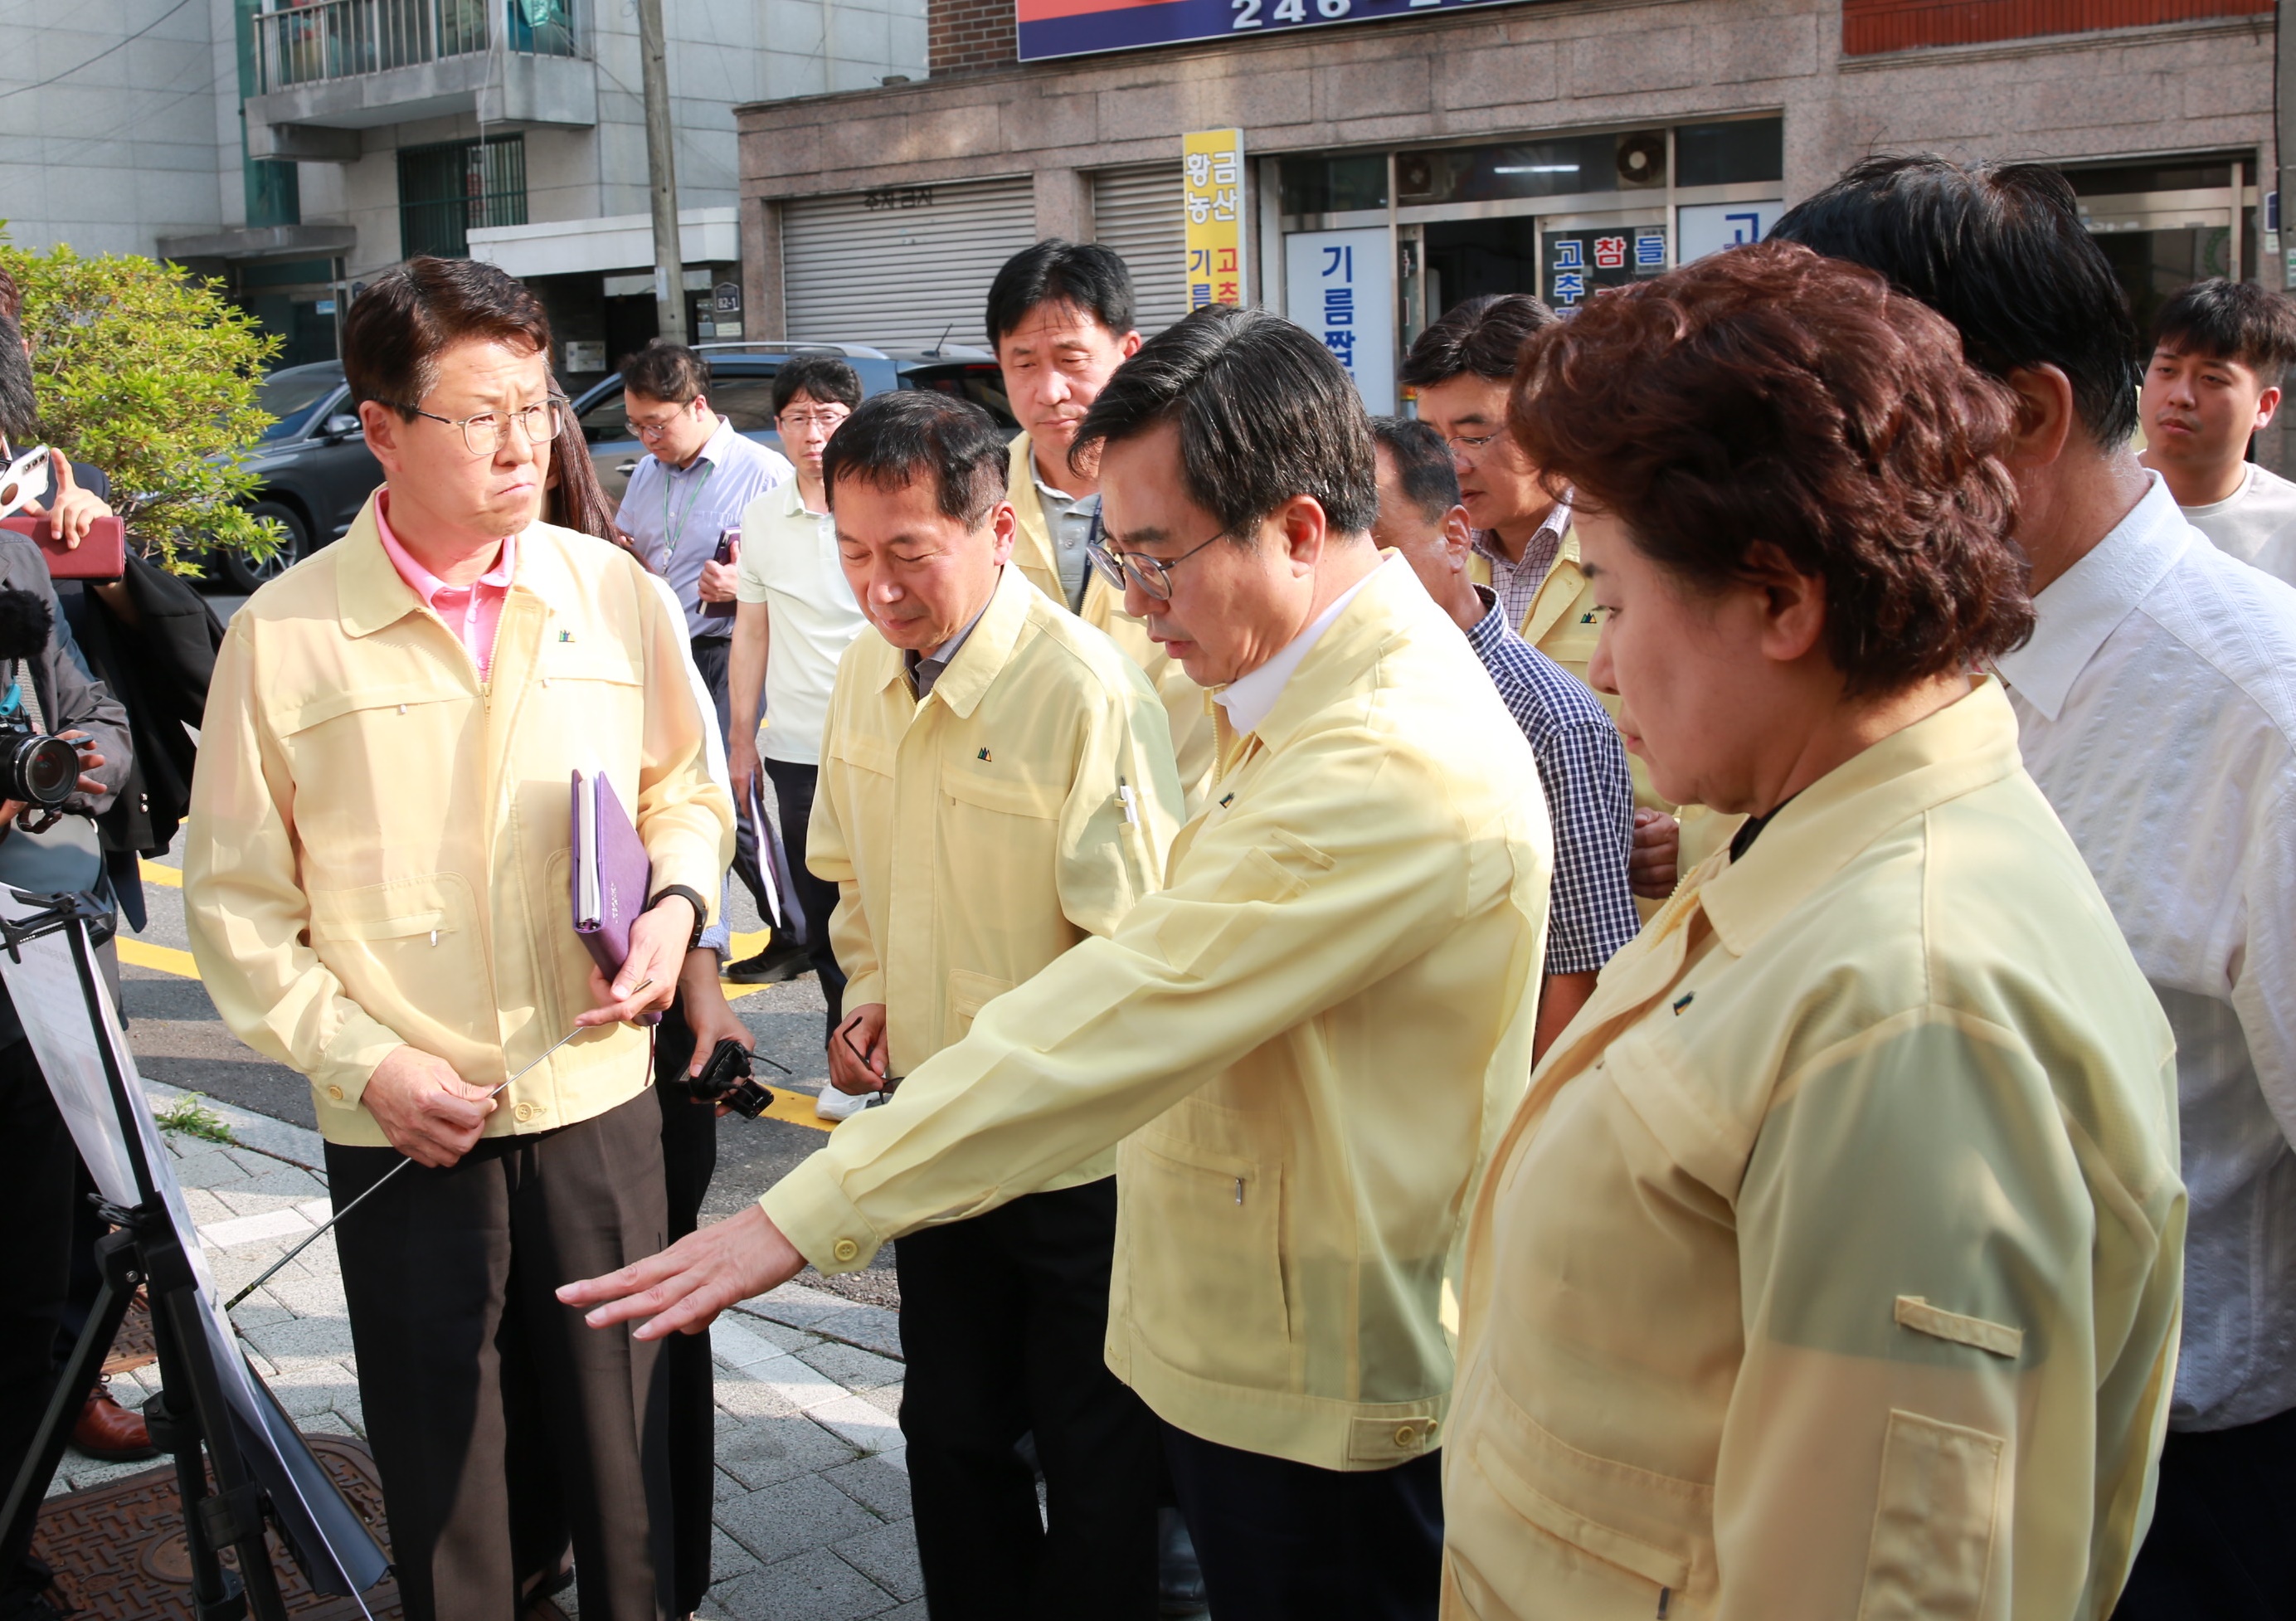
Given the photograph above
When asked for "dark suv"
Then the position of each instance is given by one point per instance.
(317, 472)
(741, 390)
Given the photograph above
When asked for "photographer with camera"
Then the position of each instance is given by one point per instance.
(63, 755)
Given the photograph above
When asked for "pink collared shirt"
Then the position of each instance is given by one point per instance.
(471, 611)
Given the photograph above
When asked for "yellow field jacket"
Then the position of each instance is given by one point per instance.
(1306, 1042)
(977, 835)
(1187, 707)
(378, 850)
(1832, 1267)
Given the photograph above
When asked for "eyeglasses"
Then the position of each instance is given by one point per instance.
(653, 430)
(1152, 575)
(1470, 444)
(489, 431)
(805, 421)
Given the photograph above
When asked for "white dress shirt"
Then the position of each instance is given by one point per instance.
(789, 562)
(2157, 709)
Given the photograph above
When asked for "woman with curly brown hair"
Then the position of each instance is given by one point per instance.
(1831, 1266)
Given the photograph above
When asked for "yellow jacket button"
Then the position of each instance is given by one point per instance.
(336, 1092)
(846, 1250)
(525, 1111)
(1404, 1434)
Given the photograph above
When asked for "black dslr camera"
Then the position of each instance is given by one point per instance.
(726, 1079)
(41, 770)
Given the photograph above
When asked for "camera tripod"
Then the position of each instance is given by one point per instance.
(190, 1414)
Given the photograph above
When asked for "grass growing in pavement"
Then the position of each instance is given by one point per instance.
(189, 1116)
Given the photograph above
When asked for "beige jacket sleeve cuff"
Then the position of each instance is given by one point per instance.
(814, 1214)
(350, 1057)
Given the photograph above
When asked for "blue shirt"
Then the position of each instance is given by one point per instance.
(676, 515)
(1582, 765)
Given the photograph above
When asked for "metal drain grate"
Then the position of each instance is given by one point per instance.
(117, 1549)
(132, 1347)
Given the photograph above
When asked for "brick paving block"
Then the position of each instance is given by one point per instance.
(858, 1423)
(305, 1296)
(815, 1586)
(289, 1183)
(877, 1484)
(728, 1558)
(791, 1517)
(777, 1334)
(796, 1383)
(793, 1305)
(746, 1399)
(736, 1345)
(887, 1556)
(914, 1610)
(764, 1451)
(328, 1336)
(850, 1366)
(885, 1398)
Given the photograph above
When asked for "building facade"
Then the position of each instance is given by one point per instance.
(1417, 152)
(296, 150)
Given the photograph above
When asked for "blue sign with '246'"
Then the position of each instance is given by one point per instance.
(1065, 27)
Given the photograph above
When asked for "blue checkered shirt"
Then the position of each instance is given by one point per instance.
(1582, 765)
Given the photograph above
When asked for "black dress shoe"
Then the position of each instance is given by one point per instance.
(782, 959)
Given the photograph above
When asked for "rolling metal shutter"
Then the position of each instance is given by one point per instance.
(915, 264)
(1139, 213)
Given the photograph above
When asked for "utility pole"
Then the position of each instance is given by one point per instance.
(661, 176)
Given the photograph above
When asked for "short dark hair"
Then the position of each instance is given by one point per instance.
(669, 371)
(1767, 394)
(891, 438)
(409, 316)
(824, 376)
(1998, 249)
(1484, 336)
(2226, 320)
(1423, 467)
(1084, 274)
(1265, 414)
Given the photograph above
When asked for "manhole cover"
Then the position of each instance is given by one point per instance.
(117, 1549)
(132, 1347)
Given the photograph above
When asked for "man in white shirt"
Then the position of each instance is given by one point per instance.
(690, 489)
(2219, 350)
(2156, 704)
(795, 617)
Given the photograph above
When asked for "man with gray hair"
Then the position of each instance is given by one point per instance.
(1362, 898)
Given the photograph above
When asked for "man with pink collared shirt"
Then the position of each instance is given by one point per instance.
(376, 880)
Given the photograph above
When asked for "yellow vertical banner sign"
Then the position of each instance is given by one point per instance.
(1212, 183)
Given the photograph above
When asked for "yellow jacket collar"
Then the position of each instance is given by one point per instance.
(1032, 546)
(1391, 601)
(371, 597)
(987, 647)
(1963, 746)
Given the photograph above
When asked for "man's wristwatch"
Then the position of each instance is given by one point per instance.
(701, 909)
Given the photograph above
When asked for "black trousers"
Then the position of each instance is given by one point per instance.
(1003, 1324)
(38, 1167)
(449, 1275)
(713, 657)
(793, 786)
(1288, 1541)
(2223, 1541)
(689, 1159)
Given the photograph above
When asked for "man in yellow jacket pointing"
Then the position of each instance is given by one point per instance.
(1305, 1042)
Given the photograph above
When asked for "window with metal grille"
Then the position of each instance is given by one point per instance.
(451, 189)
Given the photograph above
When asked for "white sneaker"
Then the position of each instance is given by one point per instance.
(834, 1105)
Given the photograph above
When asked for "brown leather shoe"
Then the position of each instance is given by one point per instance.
(108, 1431)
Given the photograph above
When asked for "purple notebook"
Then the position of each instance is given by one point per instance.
(612, 872)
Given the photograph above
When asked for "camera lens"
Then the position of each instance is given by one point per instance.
(47, 770)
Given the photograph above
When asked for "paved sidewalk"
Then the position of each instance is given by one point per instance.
(813, 1501)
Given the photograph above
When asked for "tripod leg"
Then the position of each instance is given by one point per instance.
(115, 1255)
(172, 1416)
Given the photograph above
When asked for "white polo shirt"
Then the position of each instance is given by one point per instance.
(789, 563)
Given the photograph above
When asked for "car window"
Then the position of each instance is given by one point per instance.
(747, 401)
(293, 400)
(980, 382)
(609, 419)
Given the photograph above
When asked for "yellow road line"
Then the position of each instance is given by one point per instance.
(795, 1108)
(153, 873)
(168, 959)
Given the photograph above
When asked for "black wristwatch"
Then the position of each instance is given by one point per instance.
(701, 909)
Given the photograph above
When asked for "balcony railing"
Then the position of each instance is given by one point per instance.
(329, 39)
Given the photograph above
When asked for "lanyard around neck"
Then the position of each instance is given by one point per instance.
(673, 527)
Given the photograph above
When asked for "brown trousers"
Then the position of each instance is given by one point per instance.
(450, 1277)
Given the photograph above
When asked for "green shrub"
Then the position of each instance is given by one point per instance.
(149, 373)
